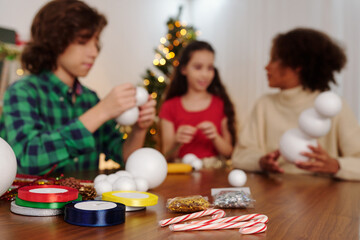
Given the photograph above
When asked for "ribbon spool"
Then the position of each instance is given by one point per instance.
(35, 212)
(48, 193)
(134, 200)
(94, 213)
(53, 205)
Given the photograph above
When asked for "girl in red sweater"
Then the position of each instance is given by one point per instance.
(197, 116)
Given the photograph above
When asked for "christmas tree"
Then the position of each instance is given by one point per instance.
(156, 81)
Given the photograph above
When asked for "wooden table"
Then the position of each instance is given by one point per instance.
(298, 207)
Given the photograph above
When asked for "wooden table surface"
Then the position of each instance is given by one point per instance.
(298, 207)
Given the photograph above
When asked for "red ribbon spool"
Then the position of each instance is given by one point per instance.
(47, 193)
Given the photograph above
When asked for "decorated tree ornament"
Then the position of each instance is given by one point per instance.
(8, 166)
(149, 164)
(313, 123)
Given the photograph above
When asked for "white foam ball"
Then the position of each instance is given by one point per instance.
(100, 177)
(314, 124)
(123, 173)
(237, 178)
(8, 166)
(103, 187)
(293, 142)
(197, 164)
(141, 184)
(147, 163)
(124, 184)
(142, 96)
(129, 117)
(112, 178)
(189, 158)
(328, 104)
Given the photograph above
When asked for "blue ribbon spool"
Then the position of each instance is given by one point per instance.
(94, 213)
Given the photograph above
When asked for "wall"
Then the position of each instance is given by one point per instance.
(240, 31)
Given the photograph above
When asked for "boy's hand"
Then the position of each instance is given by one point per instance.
(118, 100)
(147, 114)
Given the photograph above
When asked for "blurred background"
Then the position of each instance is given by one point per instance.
(240, 31)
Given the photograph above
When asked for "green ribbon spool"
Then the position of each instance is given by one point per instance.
(53, 205)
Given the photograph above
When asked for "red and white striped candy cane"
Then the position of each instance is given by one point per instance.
(254, 217)
(258, 228)
(217, 213)
(213, 226)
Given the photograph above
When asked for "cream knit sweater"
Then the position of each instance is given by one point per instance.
(275, 113)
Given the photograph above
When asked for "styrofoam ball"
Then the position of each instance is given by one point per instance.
(8, 166)
(100, 177)
(123, 173)
(189, 158)
(129, 117)
(124, 184)
(147, 163)
(112, 178)
(197, 164)
(237, 178)
(103, 187)
(142, 96)
(314, 124)
(141, 184)
(293, 142)
(328, 104)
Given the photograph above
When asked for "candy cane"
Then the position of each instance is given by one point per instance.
(254, 217)
(213, 226)
(258, 228)
(217, 213)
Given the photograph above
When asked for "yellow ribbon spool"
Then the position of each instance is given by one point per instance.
(131, 198)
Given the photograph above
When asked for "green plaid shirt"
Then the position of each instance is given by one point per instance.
(40, 122)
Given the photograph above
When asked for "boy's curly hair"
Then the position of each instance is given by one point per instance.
(58, 24)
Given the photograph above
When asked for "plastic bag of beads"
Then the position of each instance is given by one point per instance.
(233, 199)
(188, 204)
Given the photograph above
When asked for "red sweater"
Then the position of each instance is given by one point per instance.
(173, 111)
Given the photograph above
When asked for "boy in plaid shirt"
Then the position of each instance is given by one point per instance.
(49, 117)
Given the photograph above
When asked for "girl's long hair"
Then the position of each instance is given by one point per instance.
(178, 85)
